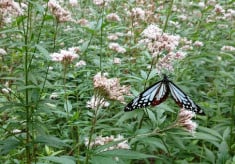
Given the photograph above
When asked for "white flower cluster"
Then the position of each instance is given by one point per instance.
(99, 140)
(96, 102)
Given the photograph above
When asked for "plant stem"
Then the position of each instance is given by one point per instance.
(168, 15)
(101, 37)
(65, 65)
(26, 71)
(93, 126)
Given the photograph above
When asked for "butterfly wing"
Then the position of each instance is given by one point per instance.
(182, 99)
(153, 95)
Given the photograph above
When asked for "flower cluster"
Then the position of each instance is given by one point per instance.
(73, 3)
(99, 140)
(60, 13)
(101, 2)
(96, 102)
(113, 17)
(137, 13)
(2, 52)
(116, 61)
(83, 22)
(228, 48)
(198, 44)
(9, 9)
(163, 46)
(65, 56)
(81, 63)
(110, 88)
(157, 41)
(184, 120)
(166, 62)
(112, 37)
(219, 9)
(116, 47)
(219, 13)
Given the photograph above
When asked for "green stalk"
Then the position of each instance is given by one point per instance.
(168, 15)
(26, 71)
(101, 37)
(65, 65)
(93, 127)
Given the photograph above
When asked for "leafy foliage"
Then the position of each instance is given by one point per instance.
(44, 111)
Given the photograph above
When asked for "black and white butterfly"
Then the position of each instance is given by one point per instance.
(158, 92)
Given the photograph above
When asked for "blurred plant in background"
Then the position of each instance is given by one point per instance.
(57, 104)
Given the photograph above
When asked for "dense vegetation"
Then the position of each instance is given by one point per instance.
(68, 68)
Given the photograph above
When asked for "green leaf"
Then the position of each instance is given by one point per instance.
(156, 142)
(68, 106)
(7, 145)
(43, 51)
(153, 74)
(209, 155)
(125, 154)
(103, 160)
(143, 74)
(51, 141)
(151, 116)
(226, 133)
(62, 159)
(207, 137)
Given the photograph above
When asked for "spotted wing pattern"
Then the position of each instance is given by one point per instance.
(153, 95)
(183, 100)
(158, 92)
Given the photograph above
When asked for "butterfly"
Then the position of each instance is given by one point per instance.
(158, 92)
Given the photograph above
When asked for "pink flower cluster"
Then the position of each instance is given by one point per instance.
(110, 88)
(60, 13)
(184, 120)
(116, 47)
(99, 140)
(9, 9)
(219, 13)
(65, 55)
(163, 46)
(113, 17)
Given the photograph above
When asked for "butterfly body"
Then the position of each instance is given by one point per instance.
(158, 92)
